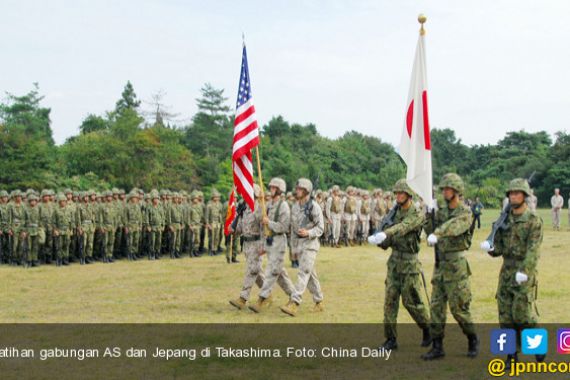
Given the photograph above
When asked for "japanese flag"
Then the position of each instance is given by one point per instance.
(415, 145)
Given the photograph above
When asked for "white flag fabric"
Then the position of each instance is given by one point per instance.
(415, 145)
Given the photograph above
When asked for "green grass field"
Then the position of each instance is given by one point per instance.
(198, 290)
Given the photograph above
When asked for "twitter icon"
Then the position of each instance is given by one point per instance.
(534, 341)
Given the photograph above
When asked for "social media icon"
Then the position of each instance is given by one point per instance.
(534, 341)
(503, 341)
(563, 344)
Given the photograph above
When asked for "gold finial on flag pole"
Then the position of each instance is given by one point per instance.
(422, 19)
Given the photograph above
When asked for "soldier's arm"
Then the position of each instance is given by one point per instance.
(534, 241)
(317, 217)
(410, 223)
(283, 224)
(428, 223)
(498, 244)
(455, 226)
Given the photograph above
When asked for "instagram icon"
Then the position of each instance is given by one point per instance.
(563, 346)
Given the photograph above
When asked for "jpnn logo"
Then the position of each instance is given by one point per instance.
(534, 341)
(503, 341)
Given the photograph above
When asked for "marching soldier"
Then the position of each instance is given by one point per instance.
(249, 226)
(278, 221)
(307, 226)
(404, 267)
(519, 245)
(451, 236)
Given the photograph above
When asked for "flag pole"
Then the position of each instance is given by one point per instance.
(262, 192)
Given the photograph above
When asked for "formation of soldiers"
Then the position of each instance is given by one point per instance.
(88, 226)
(85, 226)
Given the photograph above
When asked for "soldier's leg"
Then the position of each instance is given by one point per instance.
(110, 243)
(459, 303)
(158, 244)
(134, 240)
(273, 271)
(438, 308)
(336, 228)
(151, 236)
(66, 240)
(34, 248)
(391, 303)
(306, 274)
(57, 245)
(252, 269)
(414, 299)
(202, 238)
(89, 235)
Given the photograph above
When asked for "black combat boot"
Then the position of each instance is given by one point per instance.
(390, 344)
(65, 261)
(111, 259)
(426, 338)
(472, 345)
(511, 358)
(234, 260)
(436, 351)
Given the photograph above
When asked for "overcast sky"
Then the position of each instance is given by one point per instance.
(493, 65)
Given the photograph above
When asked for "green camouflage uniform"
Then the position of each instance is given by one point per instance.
(404, 271)
(450, 282)
(63, 224)
(133, 222)
(86, 218)
(46, 216)
(155, 219)
(519, 246)
(214, 220)
(196, 218)
(32, 226)
(16, 214)
(106, 223)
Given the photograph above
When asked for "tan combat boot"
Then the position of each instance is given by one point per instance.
(290, 308)
(319, 307)
(238, 303)
(260, 304)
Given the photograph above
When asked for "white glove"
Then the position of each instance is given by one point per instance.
(432, 240)
(486, 246)
(520, 277)
(377, 238)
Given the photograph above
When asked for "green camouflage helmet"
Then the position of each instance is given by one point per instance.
(453, 181)
(115, 191)
(4, 193)
(215, 194)
(32, 197)
(68, 191)
(401, 186)
(61, 197)
(519, 184)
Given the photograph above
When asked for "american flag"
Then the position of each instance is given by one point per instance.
(246, 136)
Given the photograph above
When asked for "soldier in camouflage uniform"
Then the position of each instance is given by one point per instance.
(46, 241)
(349, 215)
(249, 226)
(196, 218)
(450, 283)
(519, 245)
(16, 215)
(4, 228)
(63, 224)
(154, 222)
(31, 232)
(214, 221)
(307, 226)
(107, 220)
(278, 221)
(175, 226)
(133, 225)
(86, 219)
(333, 212)
(404, 276)
(203, 223)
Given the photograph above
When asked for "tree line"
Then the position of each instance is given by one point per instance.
(129, 147)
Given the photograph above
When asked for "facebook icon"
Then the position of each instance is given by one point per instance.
(503, 341)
